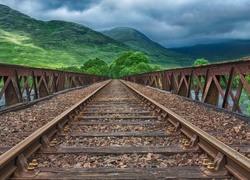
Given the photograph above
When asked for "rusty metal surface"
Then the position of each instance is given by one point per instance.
(22, 83)
(235, 163)
(38, 139)
(205, 80)
(225, 159)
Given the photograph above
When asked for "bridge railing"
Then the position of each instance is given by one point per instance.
(205, 83)
(21, 83)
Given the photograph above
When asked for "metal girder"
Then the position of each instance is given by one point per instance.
(209, 81)
(21, 83)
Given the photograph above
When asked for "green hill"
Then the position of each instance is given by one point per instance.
(27, 41)
(157, 53)
(217, 52)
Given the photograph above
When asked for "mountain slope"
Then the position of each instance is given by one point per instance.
(157, 53)
(27, 41)
(216, 52)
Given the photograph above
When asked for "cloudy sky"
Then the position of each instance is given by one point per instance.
(168, 22)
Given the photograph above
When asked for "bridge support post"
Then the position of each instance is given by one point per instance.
(43, 91)
(173, 83)
(183, 89)
(211, 93)
(11, 96)
(165, 81)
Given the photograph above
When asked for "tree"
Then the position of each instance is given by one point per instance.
(71, 69)
(200, 61)
(96, 66)
(245, 96)
(157, 68)
(130, 63)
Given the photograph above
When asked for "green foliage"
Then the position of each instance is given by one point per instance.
(200, 61)
(95, 66)
(52, 44)
(71, 69)
(1, 84)
(130, 63)
(156, 68)
(157, 53)
(55, 44)
(245, 96)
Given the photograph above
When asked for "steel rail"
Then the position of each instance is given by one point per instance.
(27, 147)
(223, 155)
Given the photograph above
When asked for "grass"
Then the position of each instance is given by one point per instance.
(157, 53)
(17, 49)
(27, 41)
(53, 44)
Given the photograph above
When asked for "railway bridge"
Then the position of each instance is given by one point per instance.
(183, 123)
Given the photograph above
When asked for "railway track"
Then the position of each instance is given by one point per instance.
(113, 135)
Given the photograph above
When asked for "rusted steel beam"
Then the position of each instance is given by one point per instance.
(208, 81)
(211, 93)
(22, 83)
(11, 96)
(228, 89)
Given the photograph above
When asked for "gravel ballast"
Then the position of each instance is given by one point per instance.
(32, 118)
(225, 127)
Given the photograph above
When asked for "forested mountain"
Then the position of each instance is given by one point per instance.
(217, 52)
(157, 53)
(27, 41)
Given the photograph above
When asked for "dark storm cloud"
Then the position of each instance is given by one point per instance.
(173, 23)
(76, 5)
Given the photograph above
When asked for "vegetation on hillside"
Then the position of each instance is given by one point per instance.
(197, 62)
(201, 61)
(157, 53)
(126, 64)
(217, 52)
(245, 96)
(130, 63)
(76, 69)
(96, 66)
(52, 44)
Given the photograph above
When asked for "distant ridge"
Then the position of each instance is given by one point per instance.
(217, 52)
(157, 53)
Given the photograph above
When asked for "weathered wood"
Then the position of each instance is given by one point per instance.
(122, 108)
(117, 117)
(118, 123)
(120, 134)
(117, 102)
(113, 105)
(125, 173)
(117, 112)
(106, 150)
